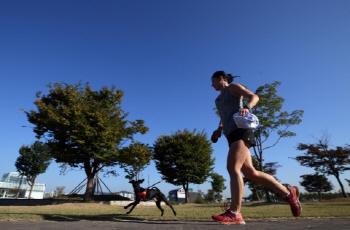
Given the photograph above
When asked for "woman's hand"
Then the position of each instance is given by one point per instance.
(243, 112)
(217, 133)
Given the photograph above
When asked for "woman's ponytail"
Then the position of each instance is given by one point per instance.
(228, 77)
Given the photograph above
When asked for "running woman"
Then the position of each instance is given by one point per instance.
(229, 102)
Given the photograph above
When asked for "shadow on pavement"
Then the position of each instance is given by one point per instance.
(63, 217)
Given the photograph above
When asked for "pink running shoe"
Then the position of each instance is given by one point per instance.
(229, 218)
(293, 200)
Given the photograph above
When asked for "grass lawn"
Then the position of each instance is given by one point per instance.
(96, 211)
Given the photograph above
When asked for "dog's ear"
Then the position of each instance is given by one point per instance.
(141, 181)
(132, 181)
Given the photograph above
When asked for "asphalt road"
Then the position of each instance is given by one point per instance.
(271, 224)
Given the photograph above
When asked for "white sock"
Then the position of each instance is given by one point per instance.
(236, 213)
(288, 192)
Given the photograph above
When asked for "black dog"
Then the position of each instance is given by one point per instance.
(147, 194)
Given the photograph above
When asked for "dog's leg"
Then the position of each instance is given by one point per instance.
(158, 205)
(163, 198)
(125, 207)
(137, 201)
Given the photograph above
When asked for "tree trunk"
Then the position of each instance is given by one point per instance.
(32, 181)
(273, 197)
(30, 192)
(341, 186)
(185, 185)
(89, 185)
(19, 187)
(89, 189)
(90, 173)
(319, 196)
(268, 198)
(257, 193)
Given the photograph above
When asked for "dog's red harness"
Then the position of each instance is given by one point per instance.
(143, 194)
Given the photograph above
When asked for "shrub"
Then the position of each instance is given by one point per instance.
(200, 200)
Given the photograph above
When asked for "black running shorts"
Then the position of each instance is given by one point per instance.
(246, 135)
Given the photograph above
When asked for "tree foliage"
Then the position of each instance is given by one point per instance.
(325, 196)
(184, 157)
(316, 183)
(210, 195)
(218, 182)
(134, 159)
(85, 128)
(33, 160)
(272, 120)
(60, 190)
(325, 160)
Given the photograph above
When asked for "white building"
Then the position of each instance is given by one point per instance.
(51, 194)
(130, 195)
(9, 185)
(178, 194)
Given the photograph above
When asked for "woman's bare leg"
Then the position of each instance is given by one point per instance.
(270, 182)
(239, 159)
(262, 178)
(236, 157)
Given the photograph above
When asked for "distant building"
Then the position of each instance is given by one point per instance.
(179, 195)
(9, 186)
(53, 194)
(244, 199)
(130, 195)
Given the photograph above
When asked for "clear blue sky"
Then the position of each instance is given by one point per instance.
(162, 54)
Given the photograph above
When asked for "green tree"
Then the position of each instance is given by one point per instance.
(199, 200)
(272, 120)
(60, 190)
(325, 196)
(183, 158)
(134, 159)
(217, 184)
(210, 195)
(33, 160)
(316, 183)
(325, 160)
(85, 128)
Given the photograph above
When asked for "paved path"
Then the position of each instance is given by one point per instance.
(271, 224)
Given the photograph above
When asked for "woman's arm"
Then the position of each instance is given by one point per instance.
(239, 91)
